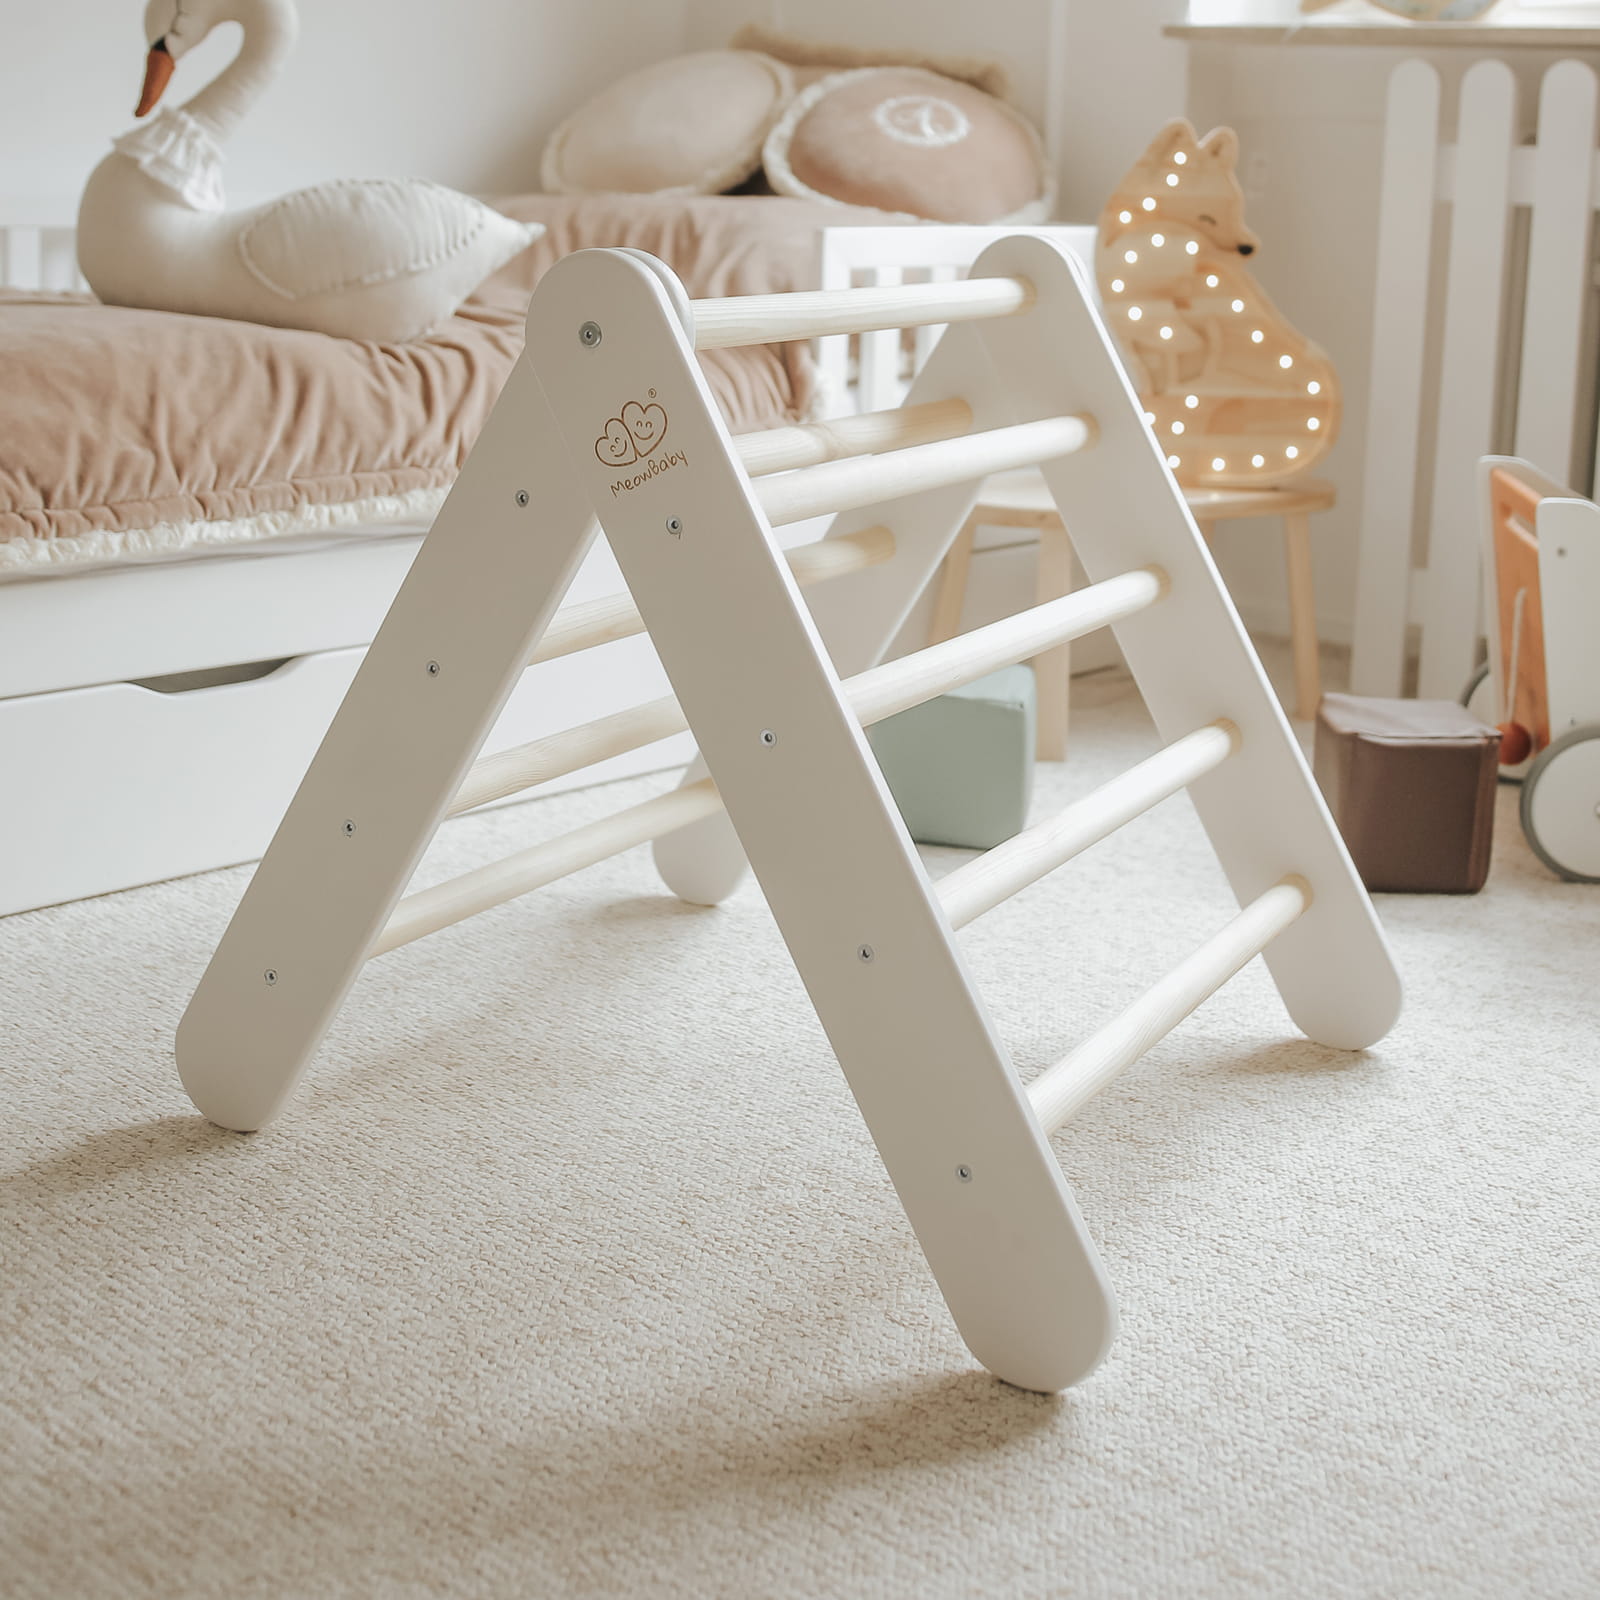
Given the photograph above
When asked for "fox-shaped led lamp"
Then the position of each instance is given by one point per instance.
(1237, 398)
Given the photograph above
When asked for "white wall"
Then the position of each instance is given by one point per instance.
(1116, 81)
(463, 93)
(1009, 31)
(1094, 75)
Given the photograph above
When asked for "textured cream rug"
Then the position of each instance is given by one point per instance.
(572, 1271)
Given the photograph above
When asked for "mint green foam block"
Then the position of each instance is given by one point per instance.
(961, 767)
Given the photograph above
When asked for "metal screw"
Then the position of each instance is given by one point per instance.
(349, 827)
(675, 527)
(589, 334)
(964, 1173)
(864, 953)
(433, 669)
(522, 497)
(768, 737)
(271, 975)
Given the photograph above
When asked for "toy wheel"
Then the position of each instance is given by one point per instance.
(1561, 805)
(1478, 698)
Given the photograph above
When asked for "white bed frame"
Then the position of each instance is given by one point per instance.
(206, 684)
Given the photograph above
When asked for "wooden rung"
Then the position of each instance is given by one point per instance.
(1058, 1091)
(814, 314)
(872, 695)
(898, 685)
(809, 444)
(615, 616)
(995, 876)
(846, 485)
(508, 772)
(431, 909)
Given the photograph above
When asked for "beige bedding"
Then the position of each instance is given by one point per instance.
(137, 434)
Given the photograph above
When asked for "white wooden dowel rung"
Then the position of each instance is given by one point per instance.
(995, 876)
(508, 772)
(431, 909)
(848, 485)
(614, 616)
(1059, 1091)
(810, 444)
(815, 314)
(881, 691)
(873, 695)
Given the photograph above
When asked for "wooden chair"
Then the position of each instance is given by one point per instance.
(1021, 500)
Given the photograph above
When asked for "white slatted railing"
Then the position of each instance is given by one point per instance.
(1510, 374)
(884, 255)
(38, 258)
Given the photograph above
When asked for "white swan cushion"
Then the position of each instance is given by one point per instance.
(383, 259)
(914, 142)
(691, 125)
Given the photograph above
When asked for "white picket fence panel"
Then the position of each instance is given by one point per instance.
(1511, 373)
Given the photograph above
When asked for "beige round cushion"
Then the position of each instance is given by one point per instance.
(911, 141)
(690, 125)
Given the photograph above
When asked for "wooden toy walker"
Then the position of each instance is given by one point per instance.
(1541, 681)
(608, 417)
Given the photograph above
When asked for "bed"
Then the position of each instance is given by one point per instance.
(202, 523)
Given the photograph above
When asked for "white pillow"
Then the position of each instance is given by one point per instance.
(690, 125)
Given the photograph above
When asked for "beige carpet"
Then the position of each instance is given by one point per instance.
(572, 1270)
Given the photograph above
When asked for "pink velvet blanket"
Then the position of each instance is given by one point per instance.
(141, 434)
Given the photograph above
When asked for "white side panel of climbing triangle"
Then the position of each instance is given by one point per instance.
(490, 574)
(975, 1174)
(1191, 657)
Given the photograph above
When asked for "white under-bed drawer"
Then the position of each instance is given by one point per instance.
(118, 784)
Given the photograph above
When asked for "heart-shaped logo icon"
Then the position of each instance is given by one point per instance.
(615, 446)
(646, 424)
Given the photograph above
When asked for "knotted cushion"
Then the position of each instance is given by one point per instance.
(693, 124)
(907, 140)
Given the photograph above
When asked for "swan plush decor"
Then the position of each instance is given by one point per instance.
(384, 258)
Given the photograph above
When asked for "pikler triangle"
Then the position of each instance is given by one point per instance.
(607, 416)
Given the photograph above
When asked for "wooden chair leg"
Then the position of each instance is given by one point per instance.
(1302, 615)
(952, 595)
(1052, 671)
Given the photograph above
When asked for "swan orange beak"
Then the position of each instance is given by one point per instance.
(158, 68)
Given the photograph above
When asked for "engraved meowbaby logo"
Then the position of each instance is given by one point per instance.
(630, 437)
(634, 434)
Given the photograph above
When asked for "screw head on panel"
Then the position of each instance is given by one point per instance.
(589, 335)
(768, 737)
(270, 976)
(349, 827)
(964, 1173)
(675, 527)
(522, 497)
(434, 669)
(864, 952)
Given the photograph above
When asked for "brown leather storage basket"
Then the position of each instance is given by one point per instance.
(1411, 785)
